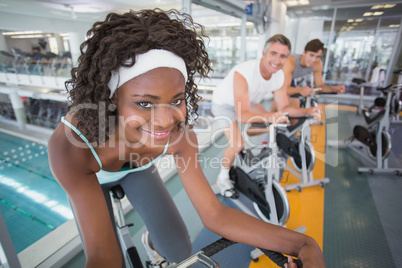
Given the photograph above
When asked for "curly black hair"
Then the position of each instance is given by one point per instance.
(120, 37)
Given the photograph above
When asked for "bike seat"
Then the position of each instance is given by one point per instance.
(261, 125)
(117, 191)
(358, 81)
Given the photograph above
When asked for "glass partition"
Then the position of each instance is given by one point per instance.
(362, 45)
(362, 41)
(35, 53)
(224, 44)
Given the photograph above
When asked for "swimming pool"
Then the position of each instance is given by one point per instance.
(31, 201)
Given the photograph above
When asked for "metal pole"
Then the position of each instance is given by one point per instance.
(331, 37)
(187, 6)
(243, 38)
(8, 255)
(395, 52)
(373, 46)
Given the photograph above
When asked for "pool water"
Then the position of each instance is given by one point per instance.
(31, 201)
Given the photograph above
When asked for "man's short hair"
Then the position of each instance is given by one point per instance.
(280, 38)
(314, 46)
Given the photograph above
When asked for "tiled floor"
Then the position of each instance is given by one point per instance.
(362, 224)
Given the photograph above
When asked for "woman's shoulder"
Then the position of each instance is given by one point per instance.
(67, 150)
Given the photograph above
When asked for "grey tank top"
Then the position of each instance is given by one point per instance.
(300, 71)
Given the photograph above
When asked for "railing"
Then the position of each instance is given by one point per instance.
(40, 70)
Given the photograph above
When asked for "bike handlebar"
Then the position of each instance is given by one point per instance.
(394, 87)
(203, 256)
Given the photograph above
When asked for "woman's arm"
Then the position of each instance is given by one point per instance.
(74, 168)
(234, 224)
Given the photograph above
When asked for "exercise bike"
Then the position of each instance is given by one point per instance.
(257, 176)
(294, 141)
(375, 134)
(309, 101)
(133, 260)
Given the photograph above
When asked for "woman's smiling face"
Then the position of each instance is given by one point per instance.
(150, 106)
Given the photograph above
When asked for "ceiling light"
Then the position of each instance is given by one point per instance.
(383, 6)
(394, 26)
(389, 5)
(368, 14)
(293, 3)
(350, 20)
(22, 32)
(324, 7)
(378, 13)
(359, 20)
(31, 36)
(377, 7)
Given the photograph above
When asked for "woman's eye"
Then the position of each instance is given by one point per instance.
(145, 104)
(177, 102)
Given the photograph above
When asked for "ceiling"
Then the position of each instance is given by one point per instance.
(88, 10)
(81, 10)
(348, 11)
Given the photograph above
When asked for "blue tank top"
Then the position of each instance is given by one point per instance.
(107, 176)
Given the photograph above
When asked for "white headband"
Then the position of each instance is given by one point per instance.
(148, 61)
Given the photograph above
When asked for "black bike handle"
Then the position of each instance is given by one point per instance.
(278, 258)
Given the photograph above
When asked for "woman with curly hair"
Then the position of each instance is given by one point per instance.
(133, 98)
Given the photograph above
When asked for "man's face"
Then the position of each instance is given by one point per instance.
(274, 58)
(311, 57)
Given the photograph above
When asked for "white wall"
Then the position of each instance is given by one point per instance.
(291, 32)
(276, 23)
(301, 30)
(278, 14)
